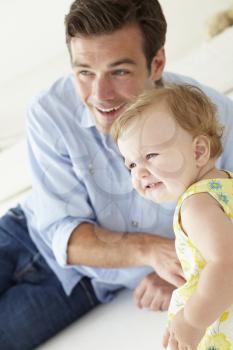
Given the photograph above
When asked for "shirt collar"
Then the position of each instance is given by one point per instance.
(87, 121)
(83, 115)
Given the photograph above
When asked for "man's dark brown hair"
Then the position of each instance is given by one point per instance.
(96, 17)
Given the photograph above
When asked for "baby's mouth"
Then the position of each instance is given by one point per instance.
(153, 185)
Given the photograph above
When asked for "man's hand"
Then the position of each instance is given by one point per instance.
(182, 335)
(164, 260)
(153, 293)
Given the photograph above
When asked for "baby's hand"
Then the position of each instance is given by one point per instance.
(166, 337)
(181, 334)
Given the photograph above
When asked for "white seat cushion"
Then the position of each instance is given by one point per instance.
(114, 326)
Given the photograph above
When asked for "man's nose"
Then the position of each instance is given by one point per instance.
(103, 89)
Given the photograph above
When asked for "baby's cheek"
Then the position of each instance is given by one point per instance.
(136, 185)
(169, 165)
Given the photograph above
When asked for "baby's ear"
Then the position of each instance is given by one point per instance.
(201, 146)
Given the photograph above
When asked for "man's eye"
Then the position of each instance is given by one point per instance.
(121, 72)
(151, 155)
(85, 73)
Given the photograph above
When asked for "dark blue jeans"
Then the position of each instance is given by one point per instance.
(33, 305)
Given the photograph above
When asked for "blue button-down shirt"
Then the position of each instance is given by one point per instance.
(79, 176)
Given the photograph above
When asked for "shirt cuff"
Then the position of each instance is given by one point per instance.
(61, 238)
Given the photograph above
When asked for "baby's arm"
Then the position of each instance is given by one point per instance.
(211, 231)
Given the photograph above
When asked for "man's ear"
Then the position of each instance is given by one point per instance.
(157, 65)
(201, 147)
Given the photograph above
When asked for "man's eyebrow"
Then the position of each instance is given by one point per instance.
(122, 61)
(80, 64)
(111, 65)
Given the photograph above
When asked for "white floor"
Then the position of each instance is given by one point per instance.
(118, 325)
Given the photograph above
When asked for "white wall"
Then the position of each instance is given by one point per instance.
(31, 32)
(187, 23)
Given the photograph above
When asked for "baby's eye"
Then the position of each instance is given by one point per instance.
(131, 166)
(151, 155)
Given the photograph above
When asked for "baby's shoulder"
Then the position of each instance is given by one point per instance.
(198, 203)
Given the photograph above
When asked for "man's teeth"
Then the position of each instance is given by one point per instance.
(109, 109)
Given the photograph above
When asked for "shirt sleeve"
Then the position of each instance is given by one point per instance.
(60, 199)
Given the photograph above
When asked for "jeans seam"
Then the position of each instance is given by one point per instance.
(16, 216)
(87, 293)
(28, 267)
(4, 227)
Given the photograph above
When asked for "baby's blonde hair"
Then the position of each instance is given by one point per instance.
(190, 107)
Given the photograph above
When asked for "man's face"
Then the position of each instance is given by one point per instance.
(110, 70)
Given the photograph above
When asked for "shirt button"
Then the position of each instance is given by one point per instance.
(90, 168)
(134, 223)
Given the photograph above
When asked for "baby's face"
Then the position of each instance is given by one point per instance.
(159, 154)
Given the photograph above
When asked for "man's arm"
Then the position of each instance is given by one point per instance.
(94, 246)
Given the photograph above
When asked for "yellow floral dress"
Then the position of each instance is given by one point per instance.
(219, 335)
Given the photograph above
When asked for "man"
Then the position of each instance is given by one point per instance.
(84, 234)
